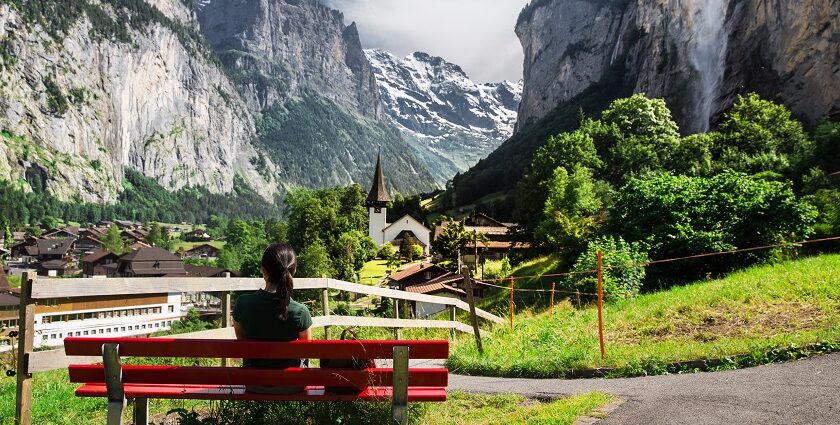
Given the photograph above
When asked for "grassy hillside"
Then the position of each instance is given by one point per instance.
(781, 305)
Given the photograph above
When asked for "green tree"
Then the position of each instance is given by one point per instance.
(113, 241)
(155, 237)
(572, 212)
(314, 261)
(758, 136)
(452, 240)
(386, 251)
(48, 223)
(827, 139)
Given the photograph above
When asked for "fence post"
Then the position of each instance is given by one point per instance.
(452, 318)
(224, 297)
(512, 304)
(396, 316)
(26, 337)
(552, 300)
(399, 399)
(465, 271)
(601, 303)
(325, 305)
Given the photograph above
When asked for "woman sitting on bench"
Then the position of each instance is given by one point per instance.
(271, 314)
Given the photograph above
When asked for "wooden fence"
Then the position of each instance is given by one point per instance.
(34, 289)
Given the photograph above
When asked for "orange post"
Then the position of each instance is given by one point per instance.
(601, 303)
(512, 305)
(552, 298)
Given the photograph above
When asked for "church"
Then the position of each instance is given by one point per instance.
(394, 233)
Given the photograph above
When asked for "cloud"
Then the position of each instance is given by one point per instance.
(475, 34)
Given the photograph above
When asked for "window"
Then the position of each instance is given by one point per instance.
(102, 331)
(53, 336)
(123, 328)
(86, 333)
(157, 325)
(78, 333)
(44, 338)
(172, 309)
(46, 319)
(100, 315)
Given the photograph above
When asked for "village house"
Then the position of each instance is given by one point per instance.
(204, 271)
(87, 244)
(203, 252)
(100, 263)
(450, 285)
(150, 262)
(197, 235)
(63, 233)
(414, 274)
(499, 235)
(394, 233)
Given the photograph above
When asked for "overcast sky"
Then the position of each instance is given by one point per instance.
(475, 34)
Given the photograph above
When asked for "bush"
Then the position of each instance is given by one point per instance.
(618, 282)
(677, 216)
(496, 269)
(387, 251)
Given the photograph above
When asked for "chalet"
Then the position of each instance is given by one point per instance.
(94, 232)
(100, 263)
(63, 233)
(87, 244)
(138, 245)
(379, 229)
(150, 262)
(202, 271)
(450, 285)
(18, 236)
(414, 274)
(499, 234)
(25, 251)
(132, 235)
(55, 249)
(197, 235)
(203, 251)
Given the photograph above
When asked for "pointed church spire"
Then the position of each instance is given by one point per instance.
(378, 195)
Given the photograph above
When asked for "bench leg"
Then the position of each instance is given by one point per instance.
(399, 407)
(115, 411)
(141, 411)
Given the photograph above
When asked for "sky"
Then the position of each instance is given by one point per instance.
(475, 34)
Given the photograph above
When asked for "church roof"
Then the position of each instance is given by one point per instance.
(378, 194)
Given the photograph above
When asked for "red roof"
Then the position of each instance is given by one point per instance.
(411, 270)
(433, 287)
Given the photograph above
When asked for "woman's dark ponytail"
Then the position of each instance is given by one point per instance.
(280, 263)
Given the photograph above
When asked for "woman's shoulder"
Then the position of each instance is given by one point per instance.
(297, 307)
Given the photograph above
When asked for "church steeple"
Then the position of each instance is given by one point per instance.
(378, 196)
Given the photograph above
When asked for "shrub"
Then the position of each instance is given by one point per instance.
(678, 216)
(496, 269)
(387, 251)
(618, 282)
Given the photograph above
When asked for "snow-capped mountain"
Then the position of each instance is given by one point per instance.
(451, 121)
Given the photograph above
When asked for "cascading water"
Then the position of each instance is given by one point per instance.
(707, 53)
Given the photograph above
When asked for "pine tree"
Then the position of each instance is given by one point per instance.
(112, 241)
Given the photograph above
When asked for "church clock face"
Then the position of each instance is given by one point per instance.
(377, 210)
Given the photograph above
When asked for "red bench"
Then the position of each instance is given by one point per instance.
(399, 384)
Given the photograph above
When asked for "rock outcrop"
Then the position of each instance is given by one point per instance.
(697, 54)
(82, 104)
(452, 121)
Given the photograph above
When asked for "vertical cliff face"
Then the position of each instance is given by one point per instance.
(697, 54)
(295, 46)
(312, 90)
(79, 104)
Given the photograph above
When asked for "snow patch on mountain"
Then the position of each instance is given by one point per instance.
(451, 121)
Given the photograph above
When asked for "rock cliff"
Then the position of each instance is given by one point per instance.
(82, 98)
(697, 54)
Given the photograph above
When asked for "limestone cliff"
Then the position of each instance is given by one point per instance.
(84, 97)
(697, 54)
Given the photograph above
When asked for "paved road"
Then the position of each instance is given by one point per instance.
(802, 392)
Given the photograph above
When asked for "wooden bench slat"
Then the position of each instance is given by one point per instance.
(234, 392)
(214, 348)
(190, 375)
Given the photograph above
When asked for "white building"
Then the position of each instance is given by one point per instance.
(379, 229)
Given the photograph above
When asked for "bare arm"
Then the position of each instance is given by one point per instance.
(237, 329)
(305, 335)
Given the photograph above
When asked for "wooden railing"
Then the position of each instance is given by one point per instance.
(34, 289)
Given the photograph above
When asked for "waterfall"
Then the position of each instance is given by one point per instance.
(707, 53)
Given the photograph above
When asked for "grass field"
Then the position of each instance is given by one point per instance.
(54, 403)
(751, 311)
(372, 272)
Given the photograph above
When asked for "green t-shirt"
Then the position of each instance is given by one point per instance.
(257, 315)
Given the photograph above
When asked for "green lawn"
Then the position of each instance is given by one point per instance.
(498, 301)
(14, 281)
(788, 304)
(55, 403)
(372, 272)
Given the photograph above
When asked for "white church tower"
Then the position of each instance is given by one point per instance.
(376, 201)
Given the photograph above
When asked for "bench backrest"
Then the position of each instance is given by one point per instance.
(215, 348)
(206, 348)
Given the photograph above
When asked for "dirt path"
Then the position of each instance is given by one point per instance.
(801, 392)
